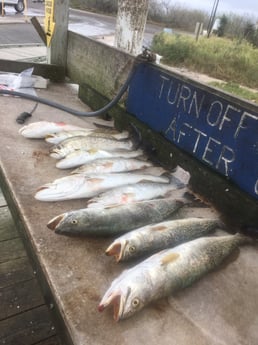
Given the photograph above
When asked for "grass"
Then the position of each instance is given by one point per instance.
(237, 90)
(230, 60)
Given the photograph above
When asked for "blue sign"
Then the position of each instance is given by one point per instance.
(218, 132)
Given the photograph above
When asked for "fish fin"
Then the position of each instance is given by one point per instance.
(158, 228)
(169, 258)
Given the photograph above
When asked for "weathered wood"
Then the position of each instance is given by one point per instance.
(52, 72)
(7, 227)
(58, 47)
(27, 328)
(11, 249)
(15, 271)
(19, 298)
(2, 200)
(39, 29)
(50, 341)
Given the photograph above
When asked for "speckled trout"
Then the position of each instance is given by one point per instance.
(155, 237)
(56, 138)
(166, 272)
(87, 143)
(114, 220)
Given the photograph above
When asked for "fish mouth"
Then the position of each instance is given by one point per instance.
(116, 249)
(116, 300)
(54, 222)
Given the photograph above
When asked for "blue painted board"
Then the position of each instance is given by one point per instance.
(216, 130)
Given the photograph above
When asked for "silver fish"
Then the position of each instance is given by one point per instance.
(135, 192)
(79, 157)
(56, 138)
(155, 237)
(114, 220)
(79, 186)
(87, 143)
(111, 165)
(38, 130)
(166, 272)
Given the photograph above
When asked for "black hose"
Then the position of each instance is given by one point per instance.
(59, 106)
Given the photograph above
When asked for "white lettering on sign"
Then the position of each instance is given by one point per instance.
(220, 116)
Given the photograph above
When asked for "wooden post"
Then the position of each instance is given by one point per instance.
(130, 25)
(57, 50)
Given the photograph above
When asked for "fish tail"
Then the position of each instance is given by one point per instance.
(242, 239)
(136, 136)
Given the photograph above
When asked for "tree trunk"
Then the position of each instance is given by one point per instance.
(130, 25)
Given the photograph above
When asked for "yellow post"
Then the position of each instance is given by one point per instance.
(2, 8)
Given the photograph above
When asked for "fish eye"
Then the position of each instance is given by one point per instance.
(132, 249)
(74, 221)
(135, 302)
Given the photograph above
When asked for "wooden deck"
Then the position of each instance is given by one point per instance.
(24, 317)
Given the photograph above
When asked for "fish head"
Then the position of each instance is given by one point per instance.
(122, 249)
(58, 151)
(65, 223)
(125, 297)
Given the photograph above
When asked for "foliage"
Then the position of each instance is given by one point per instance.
(237, 90)
(222, 26)
(104, 6)
(229, 60)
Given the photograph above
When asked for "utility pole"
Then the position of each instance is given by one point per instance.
(130, 25)
(212, 17)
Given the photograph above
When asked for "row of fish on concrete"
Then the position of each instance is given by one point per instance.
(128, 196)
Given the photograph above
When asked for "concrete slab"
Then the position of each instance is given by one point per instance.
(221, 309)
(24, 53)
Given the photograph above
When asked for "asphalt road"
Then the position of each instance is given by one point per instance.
(13, 31)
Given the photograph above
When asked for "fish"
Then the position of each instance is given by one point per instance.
(114, 220)
(155, 237)
(135, 192)
(56, 138)
(80, 157)
(40, 129)
(79, 186)
(167, 272)
(86, 143)
(110, 165)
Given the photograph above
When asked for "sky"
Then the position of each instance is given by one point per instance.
(241, 7)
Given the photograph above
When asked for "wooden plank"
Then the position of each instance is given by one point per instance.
(19, 298)
(11, 249)
(52, 72)
(15, 271)
(27, 328)
(7, 226)
(50, 341)
(2, 199)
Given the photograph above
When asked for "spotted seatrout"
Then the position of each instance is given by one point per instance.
(88, 143)
(155, 237)
(114, 220)
(166, 272)
(56, 138)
